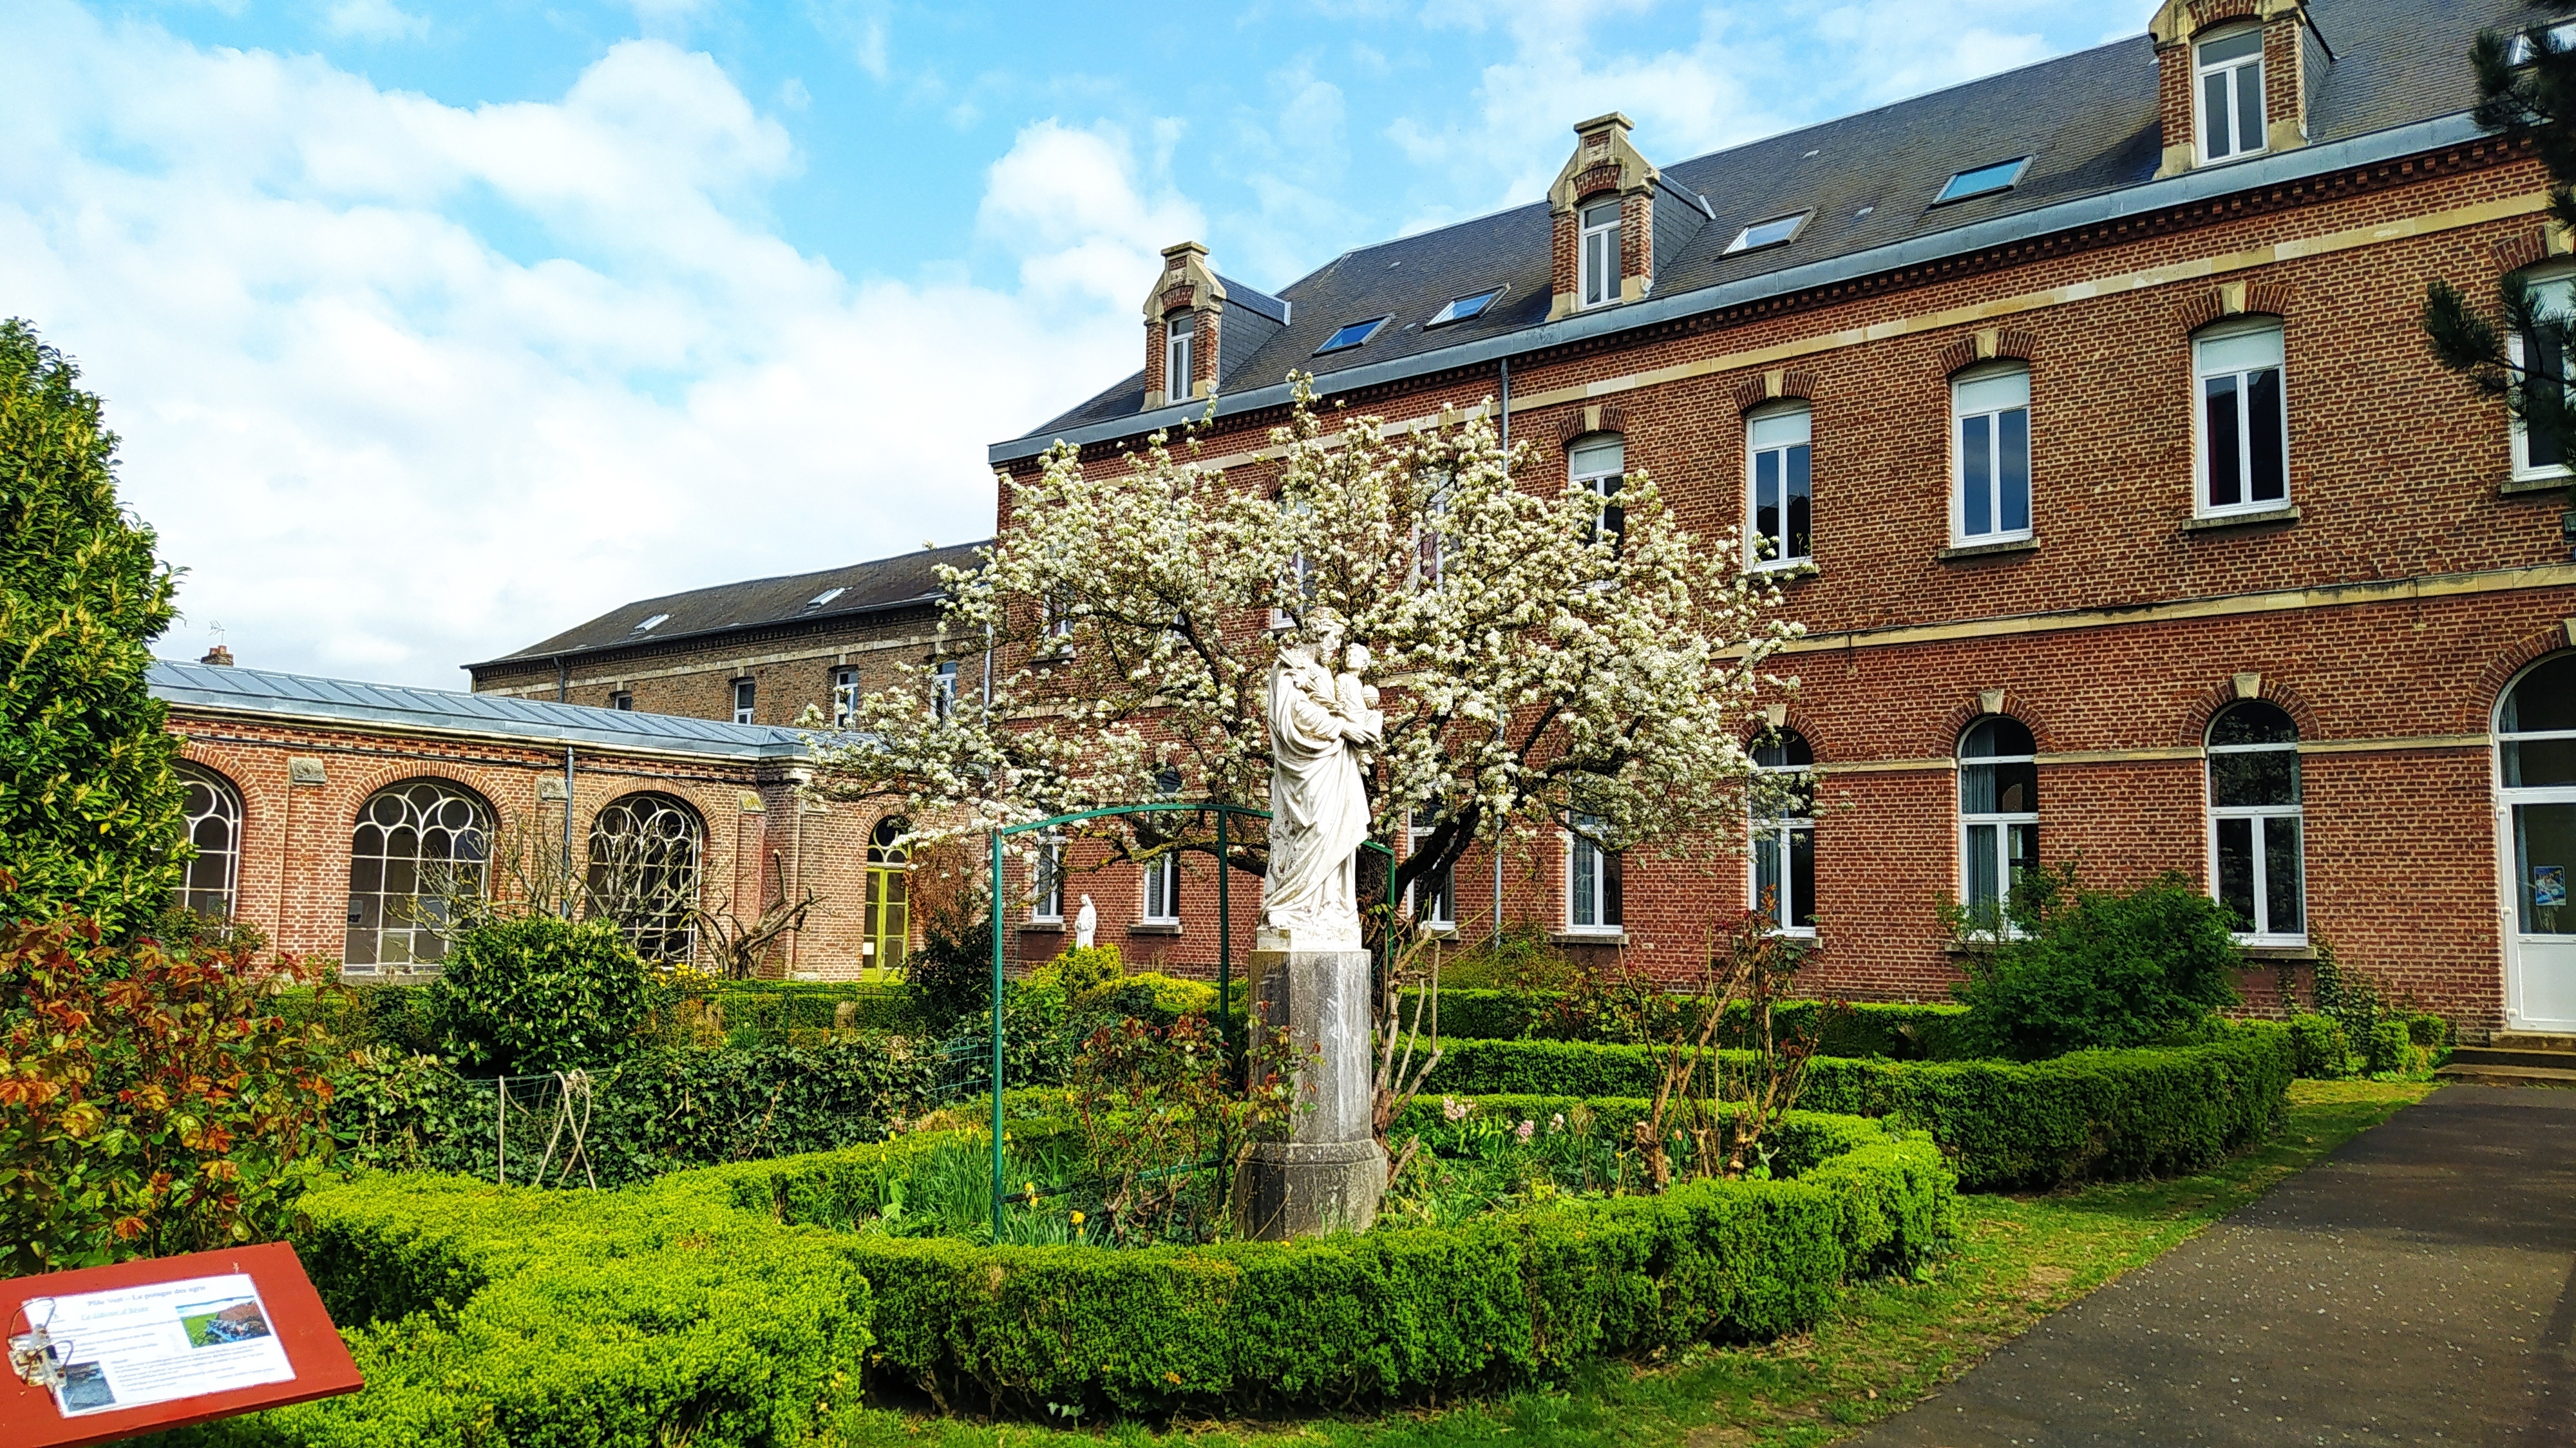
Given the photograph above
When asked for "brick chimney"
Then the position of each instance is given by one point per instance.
(1181, 315)
(1604, 169)
(219, 656)
(2233, 78)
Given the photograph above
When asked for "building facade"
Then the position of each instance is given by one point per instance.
(2087, 412)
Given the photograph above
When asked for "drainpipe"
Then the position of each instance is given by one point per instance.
(567, 835)
(1506, 410)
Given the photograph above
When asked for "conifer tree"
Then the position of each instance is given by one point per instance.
(89, 812)
(2526, 92)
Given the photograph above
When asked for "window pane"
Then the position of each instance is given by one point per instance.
(2024, 842)
(1585, 885)
(2268, 777)
(2545, 699)
(1781, 429)
(2548, 362)
(2241, 349)
(2249, 104)
(2226, 467)
(1985, 878)
(1605, 214)
(2281, 876)
(1770, 893)
(1997, 736)
(1600, 454)
(1801, 505)
(2533, 763)
(1613, 904)
(2012, 459)
(2264, 436)
(1766, 502)
(2253, 722)
(1976, 475)
(2236, 872)
(2016, 788)
(1993, 392)
(1802, 879)
(1977, 790)
(2233, 47)
(2213, 114)
(2544, 848)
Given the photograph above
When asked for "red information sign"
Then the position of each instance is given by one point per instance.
(164, 1342)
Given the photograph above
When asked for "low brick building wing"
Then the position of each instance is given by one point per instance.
(2088, 408)
(337, 816)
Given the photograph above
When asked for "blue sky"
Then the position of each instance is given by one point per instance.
(432, 330)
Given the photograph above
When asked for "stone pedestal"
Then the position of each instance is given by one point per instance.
(1330, 1171)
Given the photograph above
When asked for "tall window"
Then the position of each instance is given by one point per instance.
(1998, 815)
(2231, 94)
(744, 694)
(2254, 823)
(1592, 879)
(1597, 462)
(2244, 426)
(1430, 538)
(1180, 334)
(1784, 833)
(845, 698)
(889, 917)
(1776, 443)
(419, 846)
(1163, 890)
(943, 689)
(1046, 895)
(644, 854)
(1990, 447)
(1600, 252)
(2541, 452)
(213, 811)
(2536, 745)
(1432, 900)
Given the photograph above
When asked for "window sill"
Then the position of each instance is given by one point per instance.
(2220, 521)
(1046, 927)
(2270, 953)
(1785, 572)
(1587, 937)
(1976, 947)
(1155, 927)
(2004, 549)
(2538, 485)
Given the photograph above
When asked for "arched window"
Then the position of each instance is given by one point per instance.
(1990, 454)
(889, 919)
(1998, 816)
(645, 851)
(1784, 833)
(213, 811)
(2254, 826)
(419, 845)
(2536, 745)
(1597, 462)
(1779, 501)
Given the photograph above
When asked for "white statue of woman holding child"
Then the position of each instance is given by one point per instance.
(1320, 724)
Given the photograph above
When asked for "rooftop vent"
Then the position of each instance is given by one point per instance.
(826, 596)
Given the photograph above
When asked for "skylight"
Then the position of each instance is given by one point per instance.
(1351, 334)
(650, 624)
(2562, 36)
(1766, 233)
(1998, 177)
(1466, 308)
(826, 596)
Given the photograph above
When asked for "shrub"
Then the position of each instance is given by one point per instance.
(539, 993)
(1900, 1031)
(2393, 1048)
(2096, 969)
(951, 975)
(1522, 960)
(149, 1104)
(1081, 970)
(2318, 1048)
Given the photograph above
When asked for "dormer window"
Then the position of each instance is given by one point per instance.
(1352, 334)
(1600, 251)
(1767, 233)
(1178, 334)
(2229, 73)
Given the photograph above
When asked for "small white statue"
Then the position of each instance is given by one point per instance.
(1084, 923)
(1321, 724)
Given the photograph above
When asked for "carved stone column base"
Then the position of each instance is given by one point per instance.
(1330, 1172)
(1291, 1189)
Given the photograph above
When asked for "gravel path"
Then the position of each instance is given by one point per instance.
(2417, 1286)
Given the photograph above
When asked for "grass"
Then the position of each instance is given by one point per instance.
(1885, 1346)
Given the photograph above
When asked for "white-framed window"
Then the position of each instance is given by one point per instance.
(1784, 834)
(1598, 463)
(1163, 890)
(1990, 454)
(2243, 417)
(622, 701)
(845, 696)
(943, 689)
(1432, 900)
(1998, 816)
(1430, 542)
(1593, 887)
(2553, 294)
(2229, 88)
(1055, 618)
(1180, 334)
(1779, 501)
(211, 810)
(2257, 871)
(1046, 893)
(1600, 253)
(745, 693)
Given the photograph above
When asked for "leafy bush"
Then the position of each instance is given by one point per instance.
(2094, 969)
(950, 975)
(1081, 970)
(89, 810)
(1522, 960)
(538, 993)
(1166, 1123)
(2318, 1048)
(1039, 1042)
(1900, 1031)
(150, 1104)
(2393, 1048)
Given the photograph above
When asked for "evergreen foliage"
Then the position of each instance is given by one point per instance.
(89, 812)
(539, 993)
(2092, 969)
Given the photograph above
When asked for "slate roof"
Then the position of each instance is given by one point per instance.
(2087, 120)
(905, 580)
(347, 701)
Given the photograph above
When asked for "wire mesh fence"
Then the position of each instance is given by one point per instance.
(539, 1130)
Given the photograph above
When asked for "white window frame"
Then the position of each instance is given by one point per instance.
(943, 689)
(223, 803)
(1447, 920)
(2557, 286)
(2002, 822)
(1161, 893)
(1576, 845)
(1777, 418)
(1596, 250)
(1180, 344)
(2202, 374)
(1603, 483)
(2264, 817)
(1976, 395)
(2234, 70)
(845, 696)
(746, 699)
(1046, 881)
(1780, 833)
(622, 701)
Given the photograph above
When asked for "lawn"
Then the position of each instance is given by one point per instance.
(1885, 1347)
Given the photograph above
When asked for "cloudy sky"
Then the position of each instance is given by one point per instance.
(432, 330)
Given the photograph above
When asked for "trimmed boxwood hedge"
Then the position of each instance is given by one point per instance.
(2001, 1124)
(705, 1305)
(1904, 1032)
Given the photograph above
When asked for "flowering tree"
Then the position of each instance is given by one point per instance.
(1547, 654)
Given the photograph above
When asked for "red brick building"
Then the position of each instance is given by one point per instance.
(2130, 517)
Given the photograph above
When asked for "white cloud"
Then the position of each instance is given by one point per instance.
(382, 447)
(1907, 47)
(372, 20)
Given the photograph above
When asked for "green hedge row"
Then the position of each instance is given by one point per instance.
(2001, 1124)
(1903, 1032)
(753, 1012)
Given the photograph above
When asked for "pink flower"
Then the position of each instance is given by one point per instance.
(1525, 1131)
(1454, 1109)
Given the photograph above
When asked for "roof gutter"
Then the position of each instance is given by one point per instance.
(2201, 185)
